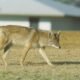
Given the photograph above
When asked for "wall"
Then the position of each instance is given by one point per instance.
(66, 23)
(54, 23)
(9, 20)
(44, 24)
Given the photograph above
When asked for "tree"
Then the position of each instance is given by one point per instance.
(73, 2)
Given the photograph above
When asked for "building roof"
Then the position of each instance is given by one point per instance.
(37, 8)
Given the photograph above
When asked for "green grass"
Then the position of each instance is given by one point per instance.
(58, 72)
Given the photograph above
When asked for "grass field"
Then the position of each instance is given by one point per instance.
(66, 65)
(66, 61)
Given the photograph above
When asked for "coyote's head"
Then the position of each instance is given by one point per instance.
(54, 39)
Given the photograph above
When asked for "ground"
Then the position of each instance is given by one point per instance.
(66, 65)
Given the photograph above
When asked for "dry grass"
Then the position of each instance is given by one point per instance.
(66, 65)
(70, 39)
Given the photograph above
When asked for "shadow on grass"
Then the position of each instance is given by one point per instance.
(54, 63)
(44, 63)
(65, 62)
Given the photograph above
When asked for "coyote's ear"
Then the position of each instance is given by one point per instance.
(58, 32)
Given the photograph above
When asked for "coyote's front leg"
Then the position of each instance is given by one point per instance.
(43, 54)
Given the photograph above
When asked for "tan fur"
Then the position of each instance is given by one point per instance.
(3, 39)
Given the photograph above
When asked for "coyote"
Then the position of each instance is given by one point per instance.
(35, 39)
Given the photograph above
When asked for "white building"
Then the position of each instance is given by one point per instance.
(44, 14)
